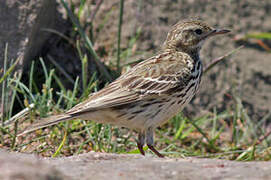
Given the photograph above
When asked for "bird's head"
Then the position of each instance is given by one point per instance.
(189, 36)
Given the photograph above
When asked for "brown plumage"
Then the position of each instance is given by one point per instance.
(151, 92)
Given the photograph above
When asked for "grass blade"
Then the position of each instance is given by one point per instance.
(219, 59)
(10, 69)
(119, 35)
(61, 145)
(75, 21)
(259, 35)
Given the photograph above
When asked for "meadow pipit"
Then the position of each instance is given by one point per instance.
(151, 92)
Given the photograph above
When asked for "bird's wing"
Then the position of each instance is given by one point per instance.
(151, 78)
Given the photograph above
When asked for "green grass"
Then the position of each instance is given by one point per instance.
(258, 35)
(257, 38)
(231, 134)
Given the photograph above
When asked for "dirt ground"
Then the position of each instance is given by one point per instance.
(246, 74)
(100, 166)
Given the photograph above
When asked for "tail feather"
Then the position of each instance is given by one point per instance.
(46, 122)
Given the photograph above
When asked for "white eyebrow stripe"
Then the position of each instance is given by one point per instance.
(160, 81)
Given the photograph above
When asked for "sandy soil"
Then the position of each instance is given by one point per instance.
(246, 74)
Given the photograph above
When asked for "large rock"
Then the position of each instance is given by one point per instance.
(22, 24)
(101, 166)
(17, 166)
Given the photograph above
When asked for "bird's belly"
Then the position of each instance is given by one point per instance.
(148, 113)
(119, 117)
(177, 102)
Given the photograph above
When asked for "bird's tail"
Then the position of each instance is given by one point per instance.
(45, 122)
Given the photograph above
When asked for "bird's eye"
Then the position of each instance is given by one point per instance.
(198, 31)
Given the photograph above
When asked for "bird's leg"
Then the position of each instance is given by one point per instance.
(141, 142)
(150, 142)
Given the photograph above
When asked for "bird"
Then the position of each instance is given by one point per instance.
(151, 92)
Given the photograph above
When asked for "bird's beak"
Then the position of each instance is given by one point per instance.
(218, 31)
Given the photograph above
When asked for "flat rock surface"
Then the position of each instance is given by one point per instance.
(114, 166)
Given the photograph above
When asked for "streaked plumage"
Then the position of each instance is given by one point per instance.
(151, 92)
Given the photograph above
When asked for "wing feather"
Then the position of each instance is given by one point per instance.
(154, 77)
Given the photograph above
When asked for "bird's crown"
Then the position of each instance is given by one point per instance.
(188, 36)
